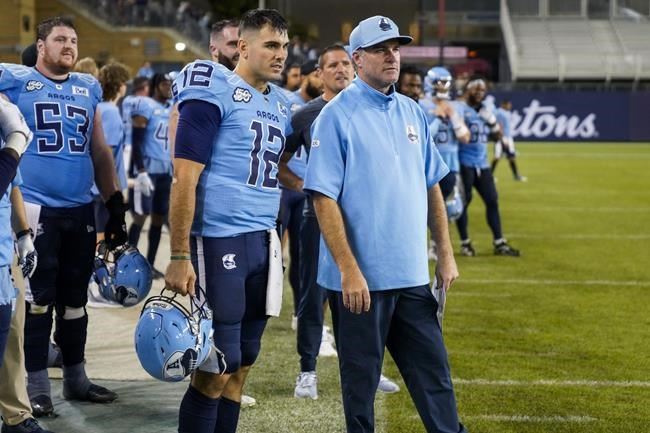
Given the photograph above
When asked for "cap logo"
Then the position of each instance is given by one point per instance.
(385, 25)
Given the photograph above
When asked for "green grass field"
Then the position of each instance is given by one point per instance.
(554, 341)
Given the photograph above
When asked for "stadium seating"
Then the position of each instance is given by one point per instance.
(558, 48)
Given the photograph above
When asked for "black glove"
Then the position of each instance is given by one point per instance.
(115, 230)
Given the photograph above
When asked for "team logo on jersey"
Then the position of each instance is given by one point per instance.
(241, 95)
(228, 261)
(412, 134)
(58, 87)
(384, 24)
(81, 91)
(315, 143)
(283, 110)
(33, 85)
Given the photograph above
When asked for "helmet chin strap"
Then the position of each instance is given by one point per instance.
(442, 95)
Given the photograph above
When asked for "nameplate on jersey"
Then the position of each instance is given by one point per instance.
(81, 91)
(241, 95)
(33, 85)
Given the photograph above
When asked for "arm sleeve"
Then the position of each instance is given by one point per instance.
(8, 167)
(137, 141)
(198, 124)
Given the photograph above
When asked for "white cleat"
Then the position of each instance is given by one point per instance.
(387, 386)
(327, 350)
(247, 401)
(306, 385)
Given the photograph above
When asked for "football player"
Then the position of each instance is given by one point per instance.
(223, 43)
(140, 87)
(475, 170)
(410, 82)
(506, 145)
(230, 136)
(152, 165)
(58, 168)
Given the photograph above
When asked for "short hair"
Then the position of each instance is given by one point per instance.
(222, 24)
(408, 69)
(44, 28)
(140, 83)
(255, 19)
(87, 65)
(112, 76)
(29, 55)
(328, 49)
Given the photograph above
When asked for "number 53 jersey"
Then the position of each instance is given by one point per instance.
(238, 189)
(57, 167)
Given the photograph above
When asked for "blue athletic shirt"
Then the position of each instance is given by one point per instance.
(298, 162)
(238, 189)
(474, 154)
(155, 148)
(6, 238)
(114, 136)
(128, 103)
(503, 118)
(374, 155)
(444, 136)
(57, 167)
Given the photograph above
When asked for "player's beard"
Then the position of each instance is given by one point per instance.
(228, 62)
(312, 91)
(60, 66)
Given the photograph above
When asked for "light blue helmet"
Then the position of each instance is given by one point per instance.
(124, 275)
(170, 340)
(455, 204)
(438, 82)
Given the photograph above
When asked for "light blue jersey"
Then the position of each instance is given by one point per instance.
(298, 162)
(57, 167)
(128, 103)
(6, 238)
(474, 153)
(445, 138)
(429, 108)
(504, 119)
(238, 189)
(155, 148)
(114, 136)
(374, 155)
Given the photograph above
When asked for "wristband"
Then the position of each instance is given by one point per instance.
(22, 233)
(181, 257)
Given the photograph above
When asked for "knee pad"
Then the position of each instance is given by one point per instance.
(37, 309)
(70, 313)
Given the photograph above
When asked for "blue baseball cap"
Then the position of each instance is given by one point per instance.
(374, 30)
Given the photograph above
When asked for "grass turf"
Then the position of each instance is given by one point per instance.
(573, 308)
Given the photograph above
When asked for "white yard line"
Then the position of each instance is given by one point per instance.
(532, 418)
(541, 282)
(556, 382)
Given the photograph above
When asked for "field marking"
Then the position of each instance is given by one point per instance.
(541, 282)
(613, 237)
(532, 418)
(556, 382)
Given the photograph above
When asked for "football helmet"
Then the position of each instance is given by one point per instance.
(172, 341)
(438, 82)
(455, 204)
(123, 275)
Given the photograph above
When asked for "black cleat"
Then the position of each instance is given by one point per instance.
(30, 425)
(466, 249)
(95, 394)
(41, 406)
(503, 249)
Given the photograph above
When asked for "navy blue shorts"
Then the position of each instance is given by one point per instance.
(233, 272)
(158, 202)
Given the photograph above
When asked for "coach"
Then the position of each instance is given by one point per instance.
(373, 174)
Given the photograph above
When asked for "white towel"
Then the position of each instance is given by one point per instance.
(276, 277)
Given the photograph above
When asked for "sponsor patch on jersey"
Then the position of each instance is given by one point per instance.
(33, 85)
(228, 261)
(81, 91)
(283, 110)
(412, 134)
(241, 95)
(58, 87)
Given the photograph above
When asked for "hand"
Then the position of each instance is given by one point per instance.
(488, 116)
(143, 184)
(446, 271)
(27, 256)
(115, 230)
(15, 131)
(356, 296)
(180, 277)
